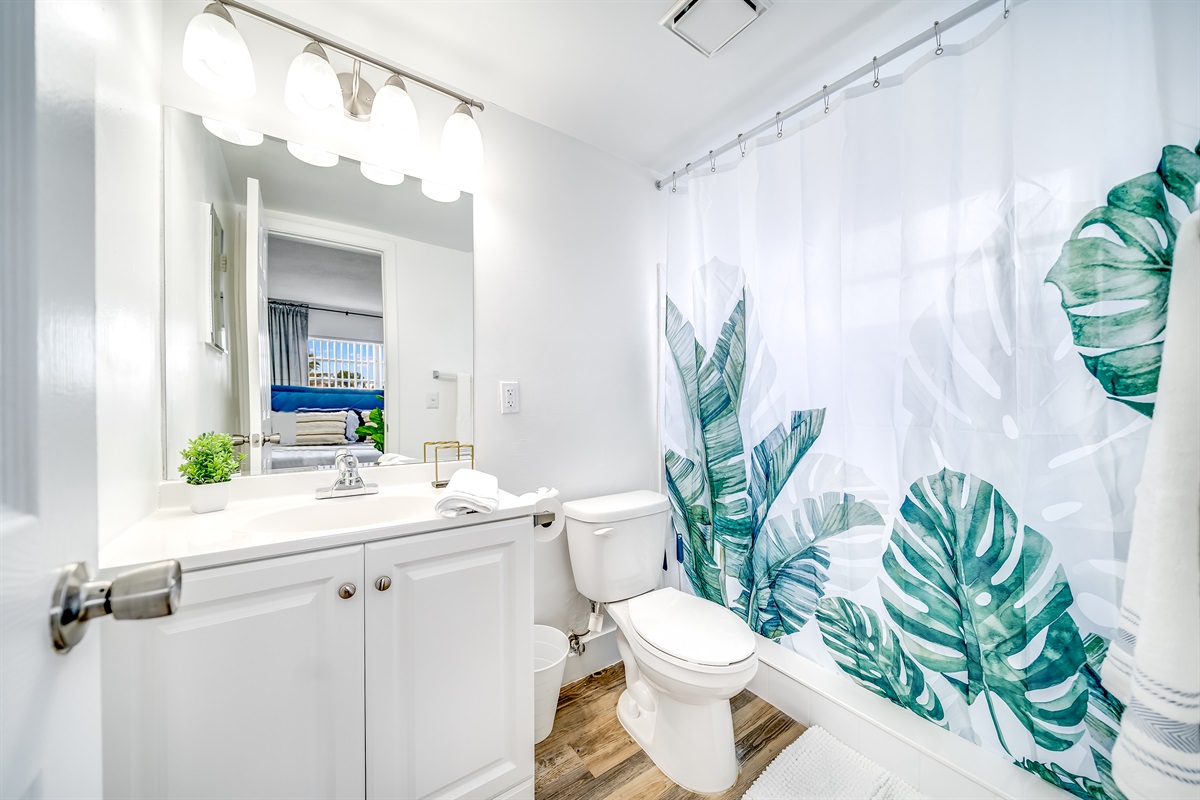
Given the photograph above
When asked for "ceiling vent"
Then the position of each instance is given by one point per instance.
(709, 25)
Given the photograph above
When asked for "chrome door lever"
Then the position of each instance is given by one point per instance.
(141, 593)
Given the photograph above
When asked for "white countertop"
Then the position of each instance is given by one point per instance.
(199, 541)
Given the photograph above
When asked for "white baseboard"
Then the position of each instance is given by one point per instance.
(939, 764)
(600, 651)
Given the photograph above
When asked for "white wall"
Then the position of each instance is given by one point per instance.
(433, 302)
(200, 392)
(566, 244)
(128, 261)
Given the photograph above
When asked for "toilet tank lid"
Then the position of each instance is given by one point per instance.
(616, 507)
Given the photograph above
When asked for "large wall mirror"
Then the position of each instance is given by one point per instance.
(308, 307)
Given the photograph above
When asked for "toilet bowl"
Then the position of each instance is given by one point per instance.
(684, 656)
(677, 709)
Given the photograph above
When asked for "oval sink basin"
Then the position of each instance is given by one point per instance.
(342, 514)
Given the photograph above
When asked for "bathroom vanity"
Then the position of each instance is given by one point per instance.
(350, 648)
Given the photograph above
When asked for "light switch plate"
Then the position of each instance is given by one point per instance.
(432, 399)
(510, 397)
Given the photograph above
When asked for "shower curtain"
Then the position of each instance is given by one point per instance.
(910, 358)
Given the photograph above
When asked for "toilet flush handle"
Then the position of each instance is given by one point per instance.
(604, 531)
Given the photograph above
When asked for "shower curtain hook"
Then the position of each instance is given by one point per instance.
(712, 162)
(672, 183)
(875, 64)
(825, 95)
(1006, 9)
(741, 145)
(687, 169)
(937, 35)
(778, 125)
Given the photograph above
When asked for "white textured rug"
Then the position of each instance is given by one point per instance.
(819, 767)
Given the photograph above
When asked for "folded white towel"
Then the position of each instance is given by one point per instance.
(469, 491)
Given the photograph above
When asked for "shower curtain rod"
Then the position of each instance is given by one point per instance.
(932, 33)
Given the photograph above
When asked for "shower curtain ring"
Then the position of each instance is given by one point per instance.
(778, 125)
(712, 162)
(875, 64)
(825, 95)
(687, 169)
(741, 145)
(1006, 9)
(672, 183)
(937, 36)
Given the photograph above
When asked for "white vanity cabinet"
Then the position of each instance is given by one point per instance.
(298, 677)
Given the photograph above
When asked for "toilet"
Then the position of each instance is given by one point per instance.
(684, 656)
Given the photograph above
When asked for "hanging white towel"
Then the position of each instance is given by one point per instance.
(469, 491)
(463, 418)
(1154, 663)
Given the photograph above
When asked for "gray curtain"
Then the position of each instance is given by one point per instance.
(288, 326)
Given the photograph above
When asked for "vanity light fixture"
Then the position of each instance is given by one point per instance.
(215, 55)
(439, 191)
(312, 90)
(312, 155)
(394, 134)
(462, 145)
(232, 133)
(381, 175)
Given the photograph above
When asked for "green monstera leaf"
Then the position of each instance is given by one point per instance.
(870, 653)
(1087, 788)
(1115, 292)
(790, 568)
(973, 601)
(719, 497)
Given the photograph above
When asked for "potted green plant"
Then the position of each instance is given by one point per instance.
(209, 464)
(373, 429)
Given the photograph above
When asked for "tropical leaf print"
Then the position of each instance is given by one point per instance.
(870, 653)
(720, 498)
(1104, 712)
(789, 567)
(972, 599)
(1115, 292)
(1087, 788)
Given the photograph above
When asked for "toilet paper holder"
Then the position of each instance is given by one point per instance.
(543, 519)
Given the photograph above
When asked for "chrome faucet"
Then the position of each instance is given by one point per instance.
(349, 483)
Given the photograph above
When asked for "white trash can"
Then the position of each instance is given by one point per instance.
(550, 648)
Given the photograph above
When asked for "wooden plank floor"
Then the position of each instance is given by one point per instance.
(589, 755)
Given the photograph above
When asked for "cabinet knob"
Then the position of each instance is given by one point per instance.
(347, 591)
(383, 583)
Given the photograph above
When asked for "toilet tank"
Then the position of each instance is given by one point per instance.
(617, 543)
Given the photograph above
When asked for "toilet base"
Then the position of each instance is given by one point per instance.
(692, 744)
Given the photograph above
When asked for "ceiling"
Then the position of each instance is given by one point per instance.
(344, 280)
(604, 71)
(341, 194)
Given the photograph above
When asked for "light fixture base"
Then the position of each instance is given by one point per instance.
(358, 97)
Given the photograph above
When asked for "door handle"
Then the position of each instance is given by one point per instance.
(141, 593)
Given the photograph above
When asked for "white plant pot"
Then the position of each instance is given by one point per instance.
(206, 497)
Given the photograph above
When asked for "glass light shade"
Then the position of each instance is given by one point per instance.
(312, 155)
(394, 134)
(216, 56)
(381, 175)
(462, 145)
(232, 133)
(312, 90)
(439, 191)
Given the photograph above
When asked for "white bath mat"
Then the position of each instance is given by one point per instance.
(819, 767)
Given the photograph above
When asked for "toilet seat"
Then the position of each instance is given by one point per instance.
(690, 628)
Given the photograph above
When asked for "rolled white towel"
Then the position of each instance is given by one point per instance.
(469, 491)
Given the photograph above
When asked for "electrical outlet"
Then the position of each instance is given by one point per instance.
(510, 397)
(432, 400)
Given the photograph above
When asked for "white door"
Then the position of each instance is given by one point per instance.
(49, 703)
(258, 340)
(253, 689)
(450, 663)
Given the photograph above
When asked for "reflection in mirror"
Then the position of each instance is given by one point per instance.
(334, 312)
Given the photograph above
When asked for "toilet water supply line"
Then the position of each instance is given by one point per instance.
(595, 625)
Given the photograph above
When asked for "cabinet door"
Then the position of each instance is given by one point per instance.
(450, 663)
(253, 689)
